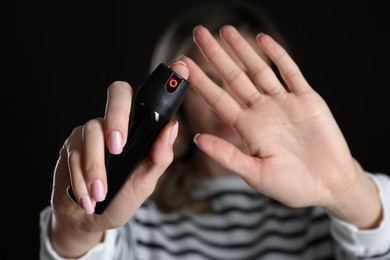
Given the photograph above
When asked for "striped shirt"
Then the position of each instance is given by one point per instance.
(243, 225)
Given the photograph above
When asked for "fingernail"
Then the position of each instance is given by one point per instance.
(260, 35)
(86, 204)
(115, 142)
(197, 27)
(174, 132)
(181, 62)
(98, 190)
(195, 138)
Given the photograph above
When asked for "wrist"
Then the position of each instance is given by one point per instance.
(358, 204)
(70, 240)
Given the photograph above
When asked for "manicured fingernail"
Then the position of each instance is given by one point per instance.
(174, 132)
(182, 63)
(197, 27)
(260, 35)
(98, 190)
(195, 138)
(115, 142)
(86, 203)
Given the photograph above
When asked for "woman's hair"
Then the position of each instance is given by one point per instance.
(177, 38)
(174, 189)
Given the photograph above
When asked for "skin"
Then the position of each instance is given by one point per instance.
(203, 119)
(291, 148)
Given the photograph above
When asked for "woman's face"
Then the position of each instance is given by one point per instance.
(200, 117)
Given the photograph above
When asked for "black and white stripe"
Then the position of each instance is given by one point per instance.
(244, 225)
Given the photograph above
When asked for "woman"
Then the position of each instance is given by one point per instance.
(270, 175)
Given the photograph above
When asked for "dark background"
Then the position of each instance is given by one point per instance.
(59, 57)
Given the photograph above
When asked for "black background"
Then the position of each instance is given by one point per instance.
(59, 57)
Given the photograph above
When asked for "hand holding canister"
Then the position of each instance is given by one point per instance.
(155, 102)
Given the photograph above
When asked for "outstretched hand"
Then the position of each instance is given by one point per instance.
(297, 153)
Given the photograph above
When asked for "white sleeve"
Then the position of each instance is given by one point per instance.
(105, 250)
(367, 244)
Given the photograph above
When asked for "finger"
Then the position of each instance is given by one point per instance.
(62, 169)
(180, 67)
(93, 157)
(227, 155)
(259, 71)
(289, 70)
(161, 153)
(74, 155)
(116, 118)
(218, 99)
(238, 81)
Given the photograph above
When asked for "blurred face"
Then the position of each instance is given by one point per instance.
(201, 118)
